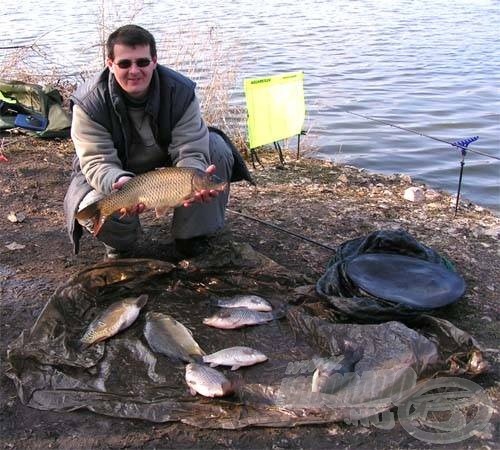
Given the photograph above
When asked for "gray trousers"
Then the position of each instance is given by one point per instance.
(196, 220)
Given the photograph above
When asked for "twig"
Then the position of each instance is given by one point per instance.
(4, 144)
(3, 158)
(13, 47)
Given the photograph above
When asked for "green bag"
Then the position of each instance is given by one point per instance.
(17, 97)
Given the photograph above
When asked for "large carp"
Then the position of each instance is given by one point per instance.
(167, 336)
(114, 318)
(159, 189)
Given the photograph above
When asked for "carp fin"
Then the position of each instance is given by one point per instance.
(142, 300)
(192, 391)
(235, 367)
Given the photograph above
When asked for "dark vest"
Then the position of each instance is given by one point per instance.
(170, 95)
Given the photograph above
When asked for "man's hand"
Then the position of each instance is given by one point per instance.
(118, 184)
(205, 195)
(137, 209)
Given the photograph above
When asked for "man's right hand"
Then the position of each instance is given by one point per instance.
(137, 209)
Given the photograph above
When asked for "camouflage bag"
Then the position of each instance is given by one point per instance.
(43, 105)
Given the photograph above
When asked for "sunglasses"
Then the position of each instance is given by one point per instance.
(126, 63)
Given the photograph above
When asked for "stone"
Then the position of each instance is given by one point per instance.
(414, 194)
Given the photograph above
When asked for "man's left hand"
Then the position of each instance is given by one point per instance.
(136, 209)
(205, 195)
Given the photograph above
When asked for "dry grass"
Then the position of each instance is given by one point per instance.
(214, 64)
(202, 54)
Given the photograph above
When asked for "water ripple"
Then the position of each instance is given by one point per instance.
(430, 65)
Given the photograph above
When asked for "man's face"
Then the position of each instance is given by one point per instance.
(134, 80)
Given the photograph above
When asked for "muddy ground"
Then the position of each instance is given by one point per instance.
(326, 202)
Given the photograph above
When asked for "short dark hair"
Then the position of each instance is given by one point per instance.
(130, 35)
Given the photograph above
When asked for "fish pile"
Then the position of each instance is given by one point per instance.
(231, 318)
(242, 310)
(236, 312)
(250, 301)
(167, 336)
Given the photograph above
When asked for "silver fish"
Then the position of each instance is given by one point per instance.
(159, 189)
(167, 336)
(331, 375)
(250, 301)
(116, 317)
(207, 381)
(230, 318)
(235, 357)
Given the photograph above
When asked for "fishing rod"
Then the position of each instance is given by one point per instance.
(461, 144)
(300, 236)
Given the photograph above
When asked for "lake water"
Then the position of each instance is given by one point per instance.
(429, 65)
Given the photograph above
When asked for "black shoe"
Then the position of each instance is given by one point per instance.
(189, 248)
(113, 253)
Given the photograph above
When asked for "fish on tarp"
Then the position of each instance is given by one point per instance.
(207, 381)
(249, 301)
(169, 337)
(115, 318)
(235, 357)
(331, 375)
(159, 189)
(230, 318)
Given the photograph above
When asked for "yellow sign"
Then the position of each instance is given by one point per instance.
(276, 108)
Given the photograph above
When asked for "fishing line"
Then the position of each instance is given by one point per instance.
(276, 227)
(461, 144)
(454, 144)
